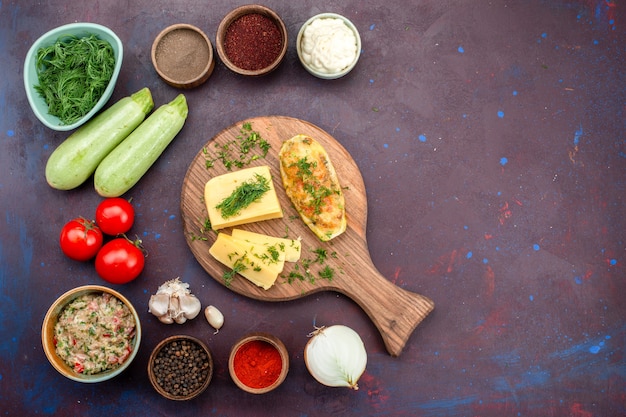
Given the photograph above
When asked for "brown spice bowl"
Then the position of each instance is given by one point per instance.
(257, 54)
(182, 55)
(180, 350)
(250, 358)
(49, 338)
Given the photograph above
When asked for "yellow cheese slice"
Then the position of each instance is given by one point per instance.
(289, 249)
(220, 187)
(253, 262)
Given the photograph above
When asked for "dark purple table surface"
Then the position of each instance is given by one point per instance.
(491, 139)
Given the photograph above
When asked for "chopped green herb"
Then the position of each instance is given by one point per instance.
(73, 74)
(238, 267)
(240, 152)
(204, 228)
(304, 167)
(327, 273)
(244, 195)
(321, 255)
(271, 257)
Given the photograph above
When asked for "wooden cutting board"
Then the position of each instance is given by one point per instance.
(394, 311)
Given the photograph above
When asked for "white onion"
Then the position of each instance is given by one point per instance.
(335, 356)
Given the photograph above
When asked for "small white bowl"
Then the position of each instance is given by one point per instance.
(316, 72)
(48, 334)
(37, 103)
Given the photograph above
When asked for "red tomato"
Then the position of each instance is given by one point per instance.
(115, 216)
(120, 261)
(80, 239)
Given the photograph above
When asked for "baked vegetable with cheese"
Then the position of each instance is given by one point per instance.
(311, 183)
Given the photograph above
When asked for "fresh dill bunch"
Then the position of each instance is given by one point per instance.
(244, 195)
(73, 74)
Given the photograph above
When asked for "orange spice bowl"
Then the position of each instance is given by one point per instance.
(251, 40)
(258, 363)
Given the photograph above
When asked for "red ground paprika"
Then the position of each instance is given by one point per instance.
(257, 364)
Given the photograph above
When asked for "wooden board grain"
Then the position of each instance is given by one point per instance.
(394, 311)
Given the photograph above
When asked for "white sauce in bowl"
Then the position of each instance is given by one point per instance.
(328, 45)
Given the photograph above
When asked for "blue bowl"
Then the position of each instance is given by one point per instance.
(37, 103)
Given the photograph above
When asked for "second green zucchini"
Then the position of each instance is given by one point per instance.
(131, 159)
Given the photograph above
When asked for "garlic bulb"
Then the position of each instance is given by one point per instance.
(214, 317)
(335, 356)
(173, 302)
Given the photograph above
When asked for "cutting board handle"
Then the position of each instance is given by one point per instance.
(395, 312)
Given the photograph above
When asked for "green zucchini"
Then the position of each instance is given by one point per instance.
(77, 158)
(132, 158)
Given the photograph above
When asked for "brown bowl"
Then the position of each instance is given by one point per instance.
(201, 368)
(252, 54)
(182, 55)
(271, 349)
(48, 337)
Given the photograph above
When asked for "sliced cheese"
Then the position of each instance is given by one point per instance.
(253, 262)
(220, 187)
(289, 249)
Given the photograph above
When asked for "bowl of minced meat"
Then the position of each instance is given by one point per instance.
(91, 334)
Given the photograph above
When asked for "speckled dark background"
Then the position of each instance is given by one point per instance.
(491, 136)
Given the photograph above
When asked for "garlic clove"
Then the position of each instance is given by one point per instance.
(174, 310)
(159, 304)
(166, 319)
(214, 317)
(180, 319)
(190, 306)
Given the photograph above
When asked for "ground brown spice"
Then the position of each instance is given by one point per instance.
(182, 54)
(253, 42)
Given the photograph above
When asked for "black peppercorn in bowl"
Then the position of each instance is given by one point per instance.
(180, 367)
(251, 40)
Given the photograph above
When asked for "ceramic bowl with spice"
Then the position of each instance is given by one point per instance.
(182, 55)
(328, 46)
(252, 40)
(180, 367)
(91, 334)
(258, 363)
(53, 57)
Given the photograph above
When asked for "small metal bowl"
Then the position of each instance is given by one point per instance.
(269, 341)
(182, 55)
(37, 103)
(48, 337)
(317, 71)
(223, 37)
(159, 382)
